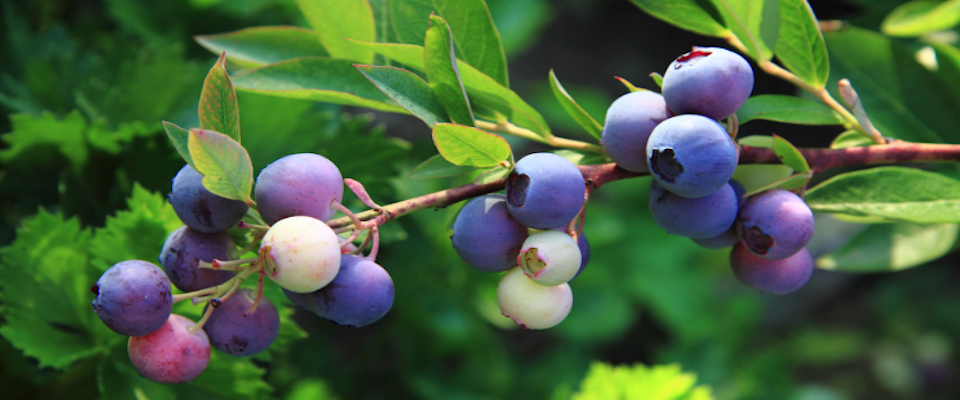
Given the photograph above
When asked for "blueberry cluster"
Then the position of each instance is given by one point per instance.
(295, 195)
(524, 233)
(676, 137)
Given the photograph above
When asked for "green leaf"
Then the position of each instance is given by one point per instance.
(800, 46)
(892, 247)
(178, 137)
(231, 378)
(489, 99)
(492, 175)
(693, 15)
(657, 78)
(317, 79)
(408, 90)
(583, 119)
(438, 167)
(916, 18)
(895, 193)
(463, 145)
(789, 155)
(258, 46)
(904, 99)
(851, 138)
(791, 182)
(218, 102)
(225, 165)
(117, 380)
(763, 141)
(787, 109)
(336, 20)
(756, 23)
(631, 86)
(475, 37)
(137, 233)
(31, 133)
(659, 382)
(440, 65)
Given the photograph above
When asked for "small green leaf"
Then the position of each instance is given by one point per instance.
(787, 109)
(117, 380)
(336, 20)
(440, 65)
(475, 36)
(408, 90)
(438, 167)
(317, 79)
(756, 23)
(463, 145)
(657, 78)
(915, 18)
(489, 99)
(258, 46)
(629, 85)
(696, 16)
(851, 138)
(892, 247)
(762, 141)
(135, 233)
(583, 119)
(492, 175)
(659, 382)
(789, 155)
(895, 193)
(218, 102)
(33, 132)
(225, 165)
(800, 46)
(178, 137)
(791, 182)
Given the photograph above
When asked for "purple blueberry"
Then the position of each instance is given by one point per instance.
(235, 329)
(700, 218)
(185, 248)
(630, 120)
(198, 208)
(709, 81)
(298, 184)
(361, 294)
(691, 155)
(773, 276)
(172, 353)
(485, 235)
(775, 224)
(730, 237)
(133, 298)
(545, 191)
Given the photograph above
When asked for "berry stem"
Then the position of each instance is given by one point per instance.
(511, 129)
(375, 247)
(190, 295)
(353, 236)
(219, 265)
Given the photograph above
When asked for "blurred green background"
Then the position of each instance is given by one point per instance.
(85, 83)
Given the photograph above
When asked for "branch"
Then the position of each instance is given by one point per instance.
(600, 174)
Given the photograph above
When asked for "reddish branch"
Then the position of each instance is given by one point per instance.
(598, 175)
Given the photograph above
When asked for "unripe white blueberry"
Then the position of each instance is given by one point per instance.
(550, 258)
(302, 254)
(532, 305)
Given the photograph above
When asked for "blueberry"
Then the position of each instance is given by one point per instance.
(531, 305)
(302, 254)
(773, 276)
(485, 235)
(584, 246)
(545, 191)
(185, 248)
(133, 298)
(630, 120)
(730, 237)
(691, 155)
(775, 224)
(710, 81)
(360, 295)
(298, 184)
(550, 257)
(235, 329)
(700, 218)
(170, 354)
(198, 208)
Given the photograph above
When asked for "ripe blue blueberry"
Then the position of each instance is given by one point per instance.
(775, 224)
(298, 184)
(198, 208)
(730, 237)
(485, 235)
(709, 81)
(699, 218)
(236, 329)
(691, 155)
(133, 298)
(630, 120)
(171, 353)
(545, 191)
(773, 276)
(185, 248)
(361, 294)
